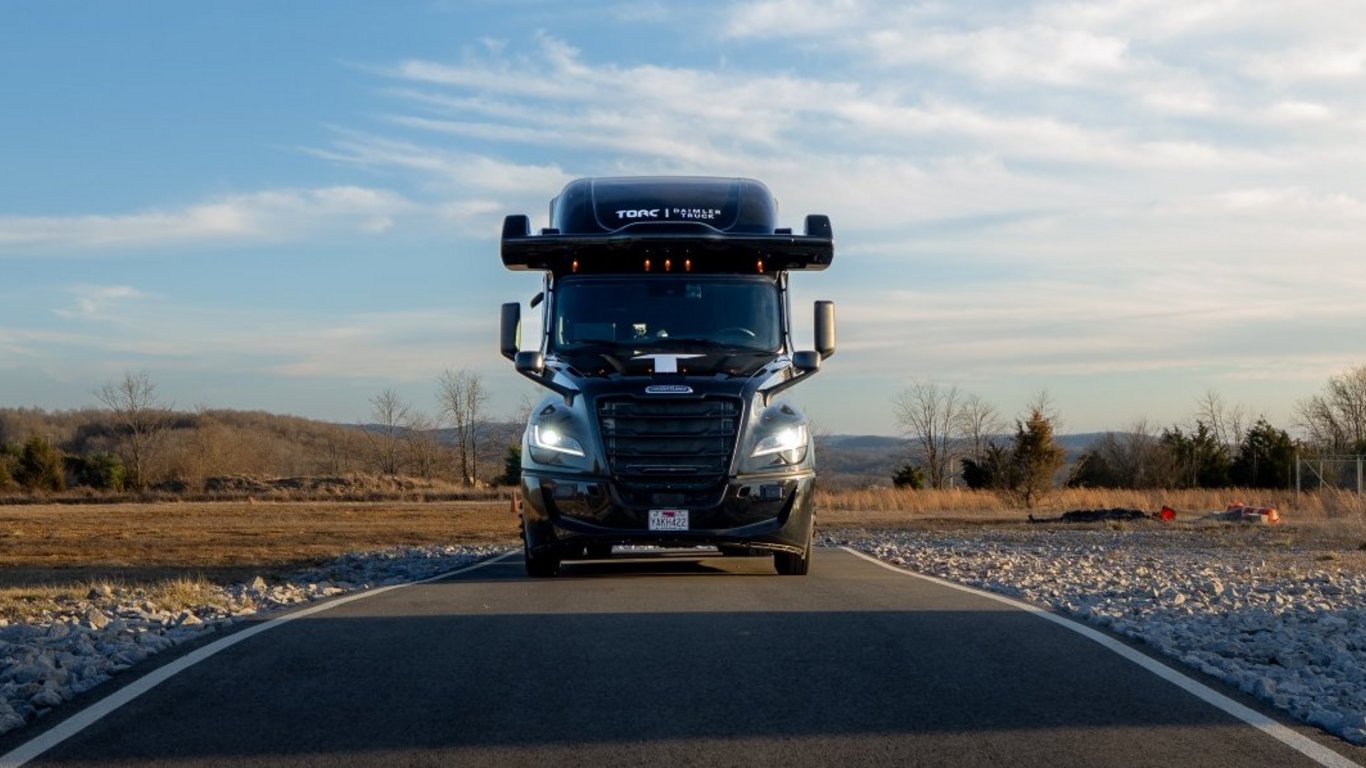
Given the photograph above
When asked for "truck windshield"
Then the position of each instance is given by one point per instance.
(734, 312)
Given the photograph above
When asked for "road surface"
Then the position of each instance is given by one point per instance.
(670, 660)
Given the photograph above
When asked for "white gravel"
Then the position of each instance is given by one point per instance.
(1292, 634)
(47, 661)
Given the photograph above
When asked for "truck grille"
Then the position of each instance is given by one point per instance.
(665, 452)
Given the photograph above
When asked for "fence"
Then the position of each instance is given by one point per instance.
(1338, 472)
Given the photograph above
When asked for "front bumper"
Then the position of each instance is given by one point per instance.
(565, 514)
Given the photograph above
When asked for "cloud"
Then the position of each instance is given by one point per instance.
(270, 215)
(95, 302)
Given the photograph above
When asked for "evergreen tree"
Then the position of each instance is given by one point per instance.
(9, 456)
(909, 476)
(1202, 460)
(1035, 459)
(512, 467)
(40, 466)
(989, 472)
(1266, 458)
(103, 470)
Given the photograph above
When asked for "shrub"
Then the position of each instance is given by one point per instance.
(40, 466)
(909, 476)
(103, 470)
(7, 461)
(512, 467)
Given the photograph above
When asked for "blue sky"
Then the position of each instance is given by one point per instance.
(292, 206)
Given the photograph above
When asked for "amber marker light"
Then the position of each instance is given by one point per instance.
(687, 265)
(668, 265)
(647, 265)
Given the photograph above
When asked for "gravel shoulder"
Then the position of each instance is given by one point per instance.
(49, 658)
(1276, 612)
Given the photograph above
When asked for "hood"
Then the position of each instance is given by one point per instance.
(623, 362)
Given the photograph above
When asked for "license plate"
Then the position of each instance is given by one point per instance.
(668, 519)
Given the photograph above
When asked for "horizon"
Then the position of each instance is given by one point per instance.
(293, 208)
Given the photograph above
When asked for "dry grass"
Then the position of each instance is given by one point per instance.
(170, 554)
(148, 543)
(59, 552)
(900, 505)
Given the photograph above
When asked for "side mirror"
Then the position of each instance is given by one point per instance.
(531, 361)
(807, 361)
(825, 328)
(510, 330)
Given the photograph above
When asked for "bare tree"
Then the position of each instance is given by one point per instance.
(978, 422)
(931, 415)
(1227, 422)
(462, 397)
(420, 444)
(1134, 458)
(389, 419)
(141, 419)
(1336, 419)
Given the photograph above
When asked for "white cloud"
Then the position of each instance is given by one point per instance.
(794, 18)
(279, 214)
(94, 302)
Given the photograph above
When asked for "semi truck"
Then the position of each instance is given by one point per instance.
(665, 342)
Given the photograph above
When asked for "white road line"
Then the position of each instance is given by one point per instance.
(1296, 741)
(97, 711)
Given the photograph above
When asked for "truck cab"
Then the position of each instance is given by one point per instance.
(665, 343)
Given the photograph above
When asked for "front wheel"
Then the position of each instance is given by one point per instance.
(794, 563)
(542, 565)
(791, 563)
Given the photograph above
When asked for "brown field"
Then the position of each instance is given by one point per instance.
(49, 550)
(69, 544)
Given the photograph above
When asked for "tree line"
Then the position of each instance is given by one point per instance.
(957, 437)
(138, 441)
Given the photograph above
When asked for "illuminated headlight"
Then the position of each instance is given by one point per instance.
(547, 438)
(789, 441)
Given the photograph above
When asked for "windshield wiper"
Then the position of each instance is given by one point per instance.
(702, 341)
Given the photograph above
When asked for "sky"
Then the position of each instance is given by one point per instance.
(291, 207)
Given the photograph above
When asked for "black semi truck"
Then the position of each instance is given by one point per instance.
(666, 339)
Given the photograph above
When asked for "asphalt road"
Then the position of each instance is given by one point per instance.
(670, 661)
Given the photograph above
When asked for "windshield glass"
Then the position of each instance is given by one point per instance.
(734, 312)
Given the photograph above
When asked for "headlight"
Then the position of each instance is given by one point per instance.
(789, 442)
(548, 438)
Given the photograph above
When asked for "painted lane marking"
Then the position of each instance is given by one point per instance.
(102, 708)
(1296, 741)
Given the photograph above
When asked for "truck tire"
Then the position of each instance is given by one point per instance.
(792, 564)
(542, 565)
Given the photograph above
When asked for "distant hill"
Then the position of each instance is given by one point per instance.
(207, 443)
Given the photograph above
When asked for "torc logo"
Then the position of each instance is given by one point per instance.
(641, 213)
